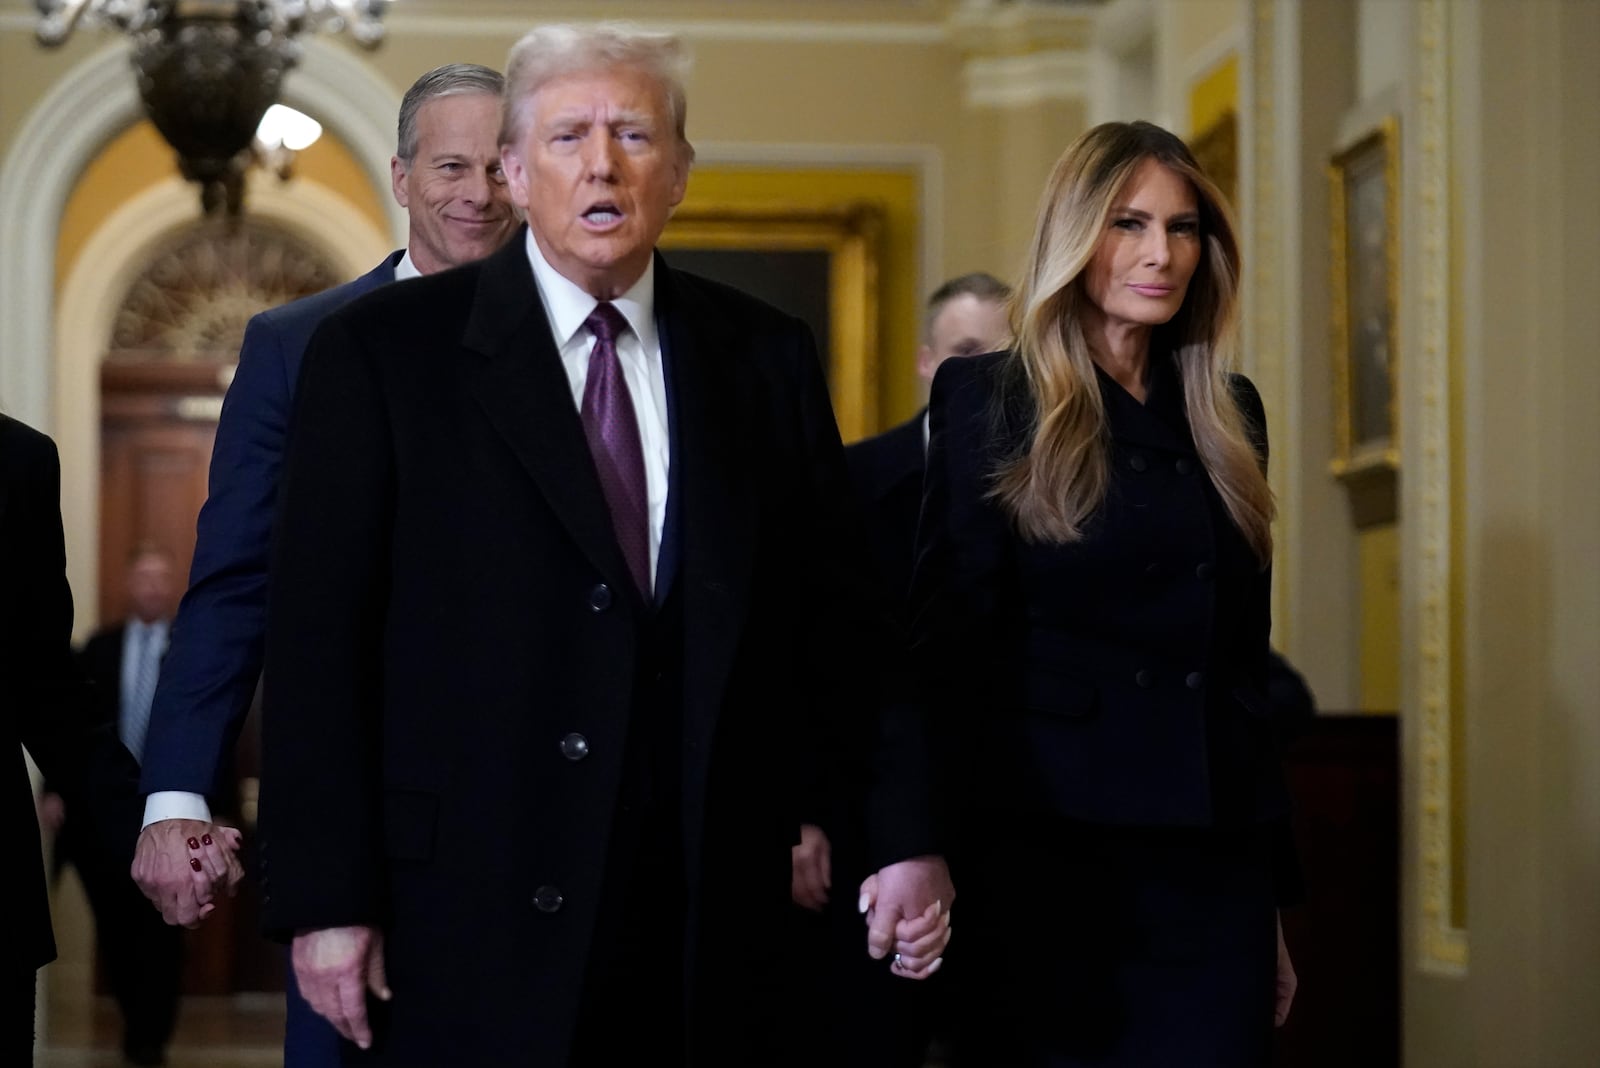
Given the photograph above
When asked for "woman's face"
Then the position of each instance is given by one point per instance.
(1141, 268)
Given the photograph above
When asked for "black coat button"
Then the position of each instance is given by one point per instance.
(1138, 462)
(1195, 680)
(574, 747)
(1144, 678)
(547, 899)
(1184, 465)
(600, 597)
(1205, 570)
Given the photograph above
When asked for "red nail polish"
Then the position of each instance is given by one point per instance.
(194, 843)
(195, 864)
(206, 839)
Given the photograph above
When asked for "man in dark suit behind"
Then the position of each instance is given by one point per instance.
(965, 316)
(563, 572)
(43, 710)
(446, 173)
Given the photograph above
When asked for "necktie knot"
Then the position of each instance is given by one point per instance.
(606, 323)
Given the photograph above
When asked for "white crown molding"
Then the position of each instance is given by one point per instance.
(1021, 81)
(406, 24)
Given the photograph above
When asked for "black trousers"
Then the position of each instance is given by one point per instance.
(1094, 947)
(16, 1026)
(142, 955)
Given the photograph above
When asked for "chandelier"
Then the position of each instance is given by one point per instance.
(208, 70)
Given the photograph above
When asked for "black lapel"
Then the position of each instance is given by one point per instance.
(1158, 423)
(526, 395)
(716, 514)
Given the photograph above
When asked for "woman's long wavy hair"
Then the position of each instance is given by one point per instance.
(1053, 486)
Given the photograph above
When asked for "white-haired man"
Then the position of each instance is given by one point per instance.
(566, 565)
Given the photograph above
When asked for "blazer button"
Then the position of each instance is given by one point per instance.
(574, 747)
(547, 899)
(1138, 462)
(600, 597)
(1154, 570)
(1195, 680)
(1144, 678)
(1205, 570)
(1184, 465)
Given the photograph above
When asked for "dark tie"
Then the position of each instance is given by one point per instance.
(613, 432)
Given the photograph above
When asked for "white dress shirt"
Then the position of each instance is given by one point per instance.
(566, 306)
(406, 268)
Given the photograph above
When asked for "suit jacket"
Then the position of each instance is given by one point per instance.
(43, 707)
(449, 605)
(1108, 680)
(886, 472)
(213, 660)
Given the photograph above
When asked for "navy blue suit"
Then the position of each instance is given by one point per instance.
(212, 667)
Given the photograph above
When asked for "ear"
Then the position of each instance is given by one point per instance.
(680, 173)
(516, 172)
(926, 364)
(397, 180)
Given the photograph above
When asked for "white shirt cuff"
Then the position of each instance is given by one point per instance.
(175, 805)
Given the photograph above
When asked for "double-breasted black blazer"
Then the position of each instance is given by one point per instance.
(449, 610)
(1111, 679)
(43, 705)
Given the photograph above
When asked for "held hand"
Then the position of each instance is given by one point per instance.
(180, 864)
(908, 916)
(1288, 982)
(812, 868)
(335, 967)
(52, 812)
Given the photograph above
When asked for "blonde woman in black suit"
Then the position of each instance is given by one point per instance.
(1091, 614)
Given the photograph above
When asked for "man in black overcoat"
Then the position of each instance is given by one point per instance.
(566, 585)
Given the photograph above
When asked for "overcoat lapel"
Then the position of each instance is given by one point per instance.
(716, 515)
(528, 400)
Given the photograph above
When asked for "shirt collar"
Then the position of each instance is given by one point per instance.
(567, 305)
(406, 268)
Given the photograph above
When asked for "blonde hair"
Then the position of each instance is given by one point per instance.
(557, 50)
(1053, 486)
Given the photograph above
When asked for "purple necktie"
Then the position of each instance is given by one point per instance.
(613, 432)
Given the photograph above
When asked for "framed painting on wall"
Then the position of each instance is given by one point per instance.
(1366, 271)
(819, 265)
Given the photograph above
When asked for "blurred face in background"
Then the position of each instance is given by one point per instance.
(966, 325)
(151, 589)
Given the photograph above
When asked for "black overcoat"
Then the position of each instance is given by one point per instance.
(449, 607)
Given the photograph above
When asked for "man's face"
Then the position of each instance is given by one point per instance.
(150, 587)
(965, 326)
(599, 167)
(453, 189)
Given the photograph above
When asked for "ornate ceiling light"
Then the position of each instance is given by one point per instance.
(209, 69)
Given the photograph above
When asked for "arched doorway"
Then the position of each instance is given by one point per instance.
(171, 355)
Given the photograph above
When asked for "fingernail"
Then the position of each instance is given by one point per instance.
(206, 839)
(861, 905)
(194, 843)
(195, 864)
(938, 962)
(875, 953)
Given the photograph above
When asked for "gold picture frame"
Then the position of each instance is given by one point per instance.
(851, 236)
(1364, 208)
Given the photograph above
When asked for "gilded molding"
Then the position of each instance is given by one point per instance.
(1263, 293)
(1442, 947)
